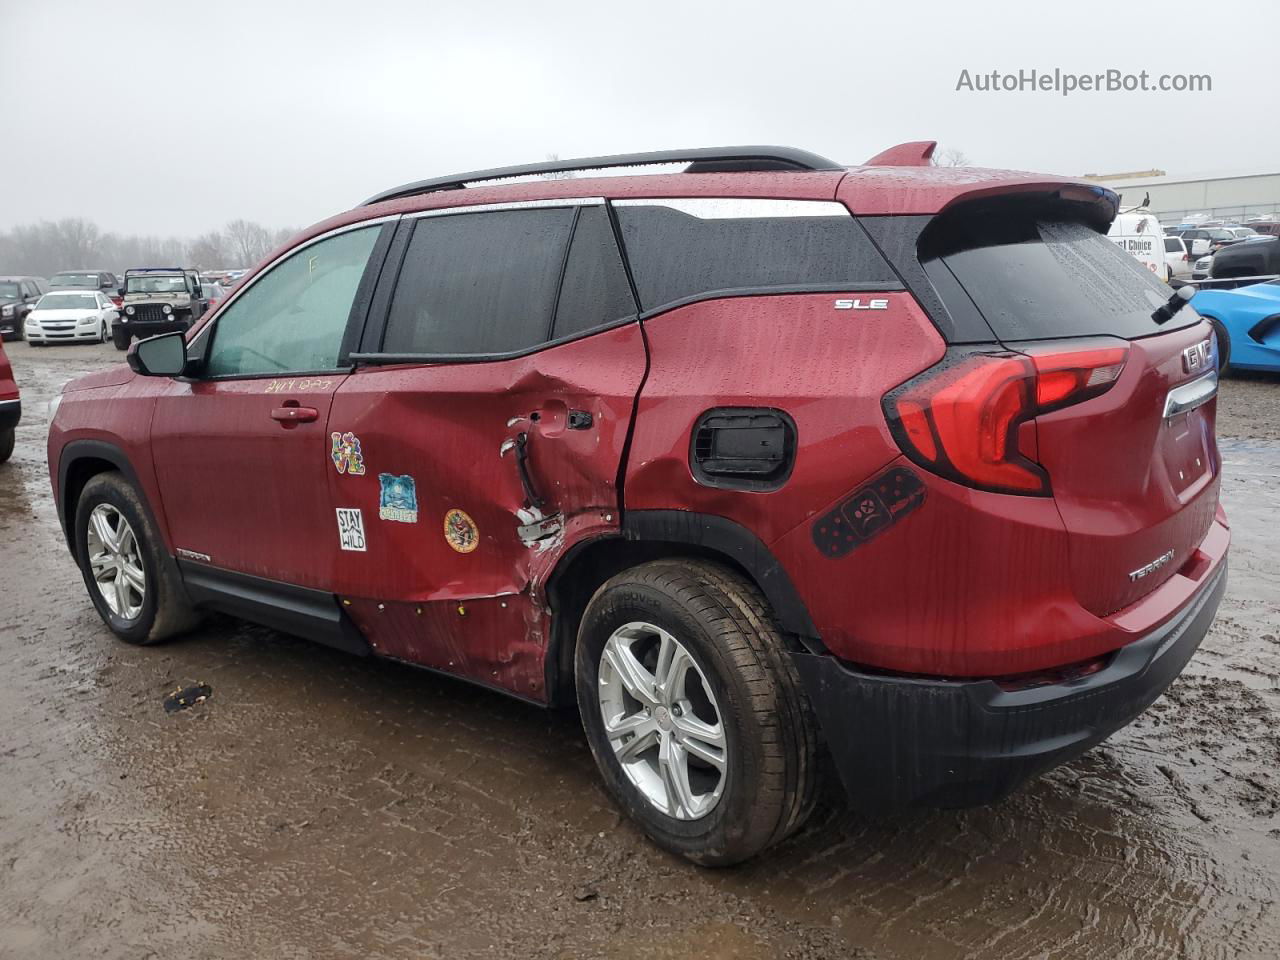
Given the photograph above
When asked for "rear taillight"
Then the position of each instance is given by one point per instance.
(962, 418)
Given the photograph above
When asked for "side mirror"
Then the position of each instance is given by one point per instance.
(162, 356)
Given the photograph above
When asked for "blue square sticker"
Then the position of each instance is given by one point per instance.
(397, 498)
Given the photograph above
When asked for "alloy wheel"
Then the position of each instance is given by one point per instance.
(662, 720)
(116, 561)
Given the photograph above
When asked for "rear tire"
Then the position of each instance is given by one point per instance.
(753, 700)
(1224, 346)
(159, 608)
(7, 438)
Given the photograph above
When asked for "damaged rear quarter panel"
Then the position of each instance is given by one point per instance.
(827, 368)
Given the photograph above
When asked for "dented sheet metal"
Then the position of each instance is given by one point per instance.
(483, 527)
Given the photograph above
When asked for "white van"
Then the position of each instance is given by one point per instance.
(1139, 234)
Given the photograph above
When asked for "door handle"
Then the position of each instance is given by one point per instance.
(291, 414)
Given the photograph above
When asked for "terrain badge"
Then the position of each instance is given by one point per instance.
(461, 532)
(397, 498)
(351, 529)
(344, 450)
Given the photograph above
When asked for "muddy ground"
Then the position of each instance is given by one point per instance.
(323, 806)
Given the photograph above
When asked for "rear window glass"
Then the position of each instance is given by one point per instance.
(68, 301)
(479, 283)
(74, 280)
(1035, 279)
(1172, 245)
(686, 248)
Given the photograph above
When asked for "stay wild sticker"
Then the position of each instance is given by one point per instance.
(351, 529)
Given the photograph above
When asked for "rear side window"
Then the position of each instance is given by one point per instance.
(1172, 245)
(1035, 279)
(694, 247)
(595, 290)
(479, 283)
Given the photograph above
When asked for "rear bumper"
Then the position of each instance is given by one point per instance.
(901, 741)
(10, 413)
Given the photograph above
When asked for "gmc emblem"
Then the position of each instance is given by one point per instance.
(1195, 358)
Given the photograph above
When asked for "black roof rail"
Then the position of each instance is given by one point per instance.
(700, 160)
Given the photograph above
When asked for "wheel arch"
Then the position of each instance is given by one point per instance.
(78, 463)
(655, 535)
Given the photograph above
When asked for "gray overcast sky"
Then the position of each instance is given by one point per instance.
(174, 117)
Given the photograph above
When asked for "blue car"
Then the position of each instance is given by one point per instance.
(1247, 321)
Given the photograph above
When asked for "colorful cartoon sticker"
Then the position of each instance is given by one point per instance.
(397, 498)
(351, 529)
(461, 532)
(345, 452)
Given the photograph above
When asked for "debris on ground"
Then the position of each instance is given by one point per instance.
(185, 697)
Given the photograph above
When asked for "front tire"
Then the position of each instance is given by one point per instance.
(133, 583)
(694, 711)
(120, 338)
(7, 437)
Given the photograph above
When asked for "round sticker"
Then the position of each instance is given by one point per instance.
(461, 532)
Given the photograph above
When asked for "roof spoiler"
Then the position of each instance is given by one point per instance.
(916, 153)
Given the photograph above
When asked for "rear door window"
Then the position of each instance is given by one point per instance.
(595, 291)
(685, 248)
(479, 283)
(1035, 279)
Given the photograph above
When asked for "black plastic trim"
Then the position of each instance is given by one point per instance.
(724, 536)
(1263, 327)
(899, 741)
(896, 237)
(94, 450)
(700, 159)
(301, 611)
(358, 317)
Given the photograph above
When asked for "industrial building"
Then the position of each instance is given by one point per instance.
(1236, 198)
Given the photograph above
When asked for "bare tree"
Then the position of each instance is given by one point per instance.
(248, 242)
(950, 157)
(42, 249)
(560, 175)
(208, 251)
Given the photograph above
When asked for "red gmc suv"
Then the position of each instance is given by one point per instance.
(760, 460)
